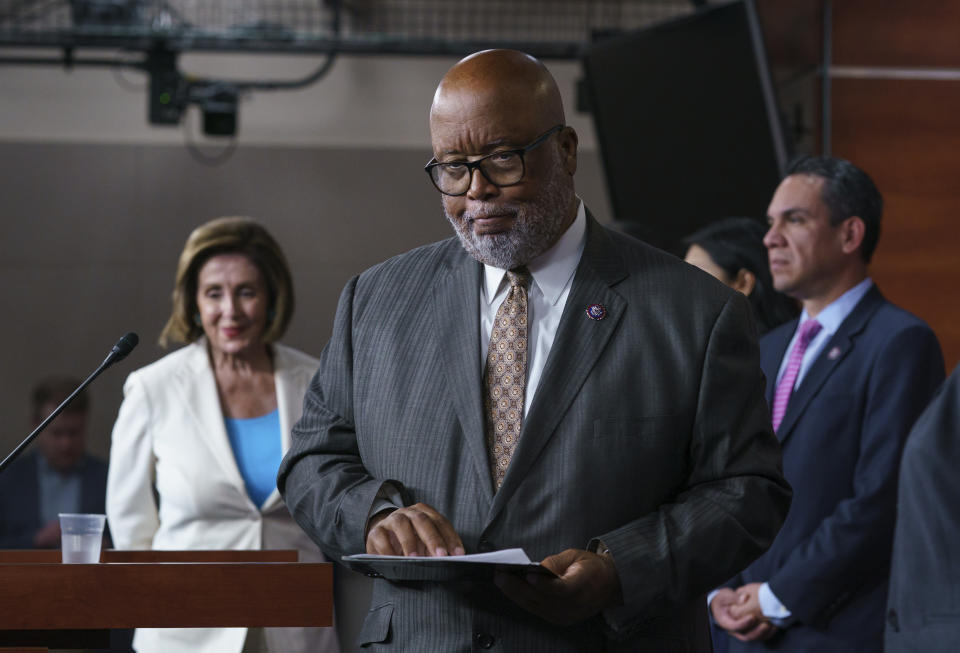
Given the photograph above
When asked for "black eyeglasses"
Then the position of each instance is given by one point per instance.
(501, 168)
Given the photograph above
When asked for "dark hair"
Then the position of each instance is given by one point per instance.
(736, 244)
(847, 191)
(53, 390)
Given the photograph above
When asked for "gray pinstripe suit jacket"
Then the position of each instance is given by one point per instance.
(649, 430)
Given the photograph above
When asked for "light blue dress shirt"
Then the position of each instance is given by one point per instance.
(830, 319)
(58, 492)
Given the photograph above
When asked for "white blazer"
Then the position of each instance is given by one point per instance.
(170, 434)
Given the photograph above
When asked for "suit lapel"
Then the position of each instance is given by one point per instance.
(457, 295)
(832, 354)
(771, 364)
(29, 484)
(198, 389)
(286, 379)
(578, 344)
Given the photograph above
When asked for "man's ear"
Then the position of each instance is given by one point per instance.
(852, 231)
(568, 148)
(745, 281)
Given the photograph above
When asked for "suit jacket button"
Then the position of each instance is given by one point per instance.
(484, 640)
(485, 546)
(893, 621)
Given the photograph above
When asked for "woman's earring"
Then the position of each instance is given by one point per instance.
(271, 315)
(197, 320)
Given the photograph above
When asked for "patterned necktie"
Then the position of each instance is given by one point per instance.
(808, 330)
(505, 376)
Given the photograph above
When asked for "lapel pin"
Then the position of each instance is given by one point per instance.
(596, 311)
(834, 354)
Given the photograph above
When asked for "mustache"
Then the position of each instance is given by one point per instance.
(491, 210)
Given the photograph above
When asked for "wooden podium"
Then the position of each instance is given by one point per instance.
(47, 604)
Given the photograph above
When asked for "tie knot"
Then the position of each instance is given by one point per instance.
(519, 277)
(809, 330)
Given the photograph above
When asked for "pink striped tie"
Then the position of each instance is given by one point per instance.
(808, 330)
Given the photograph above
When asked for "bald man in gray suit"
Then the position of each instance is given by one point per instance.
(537, 382)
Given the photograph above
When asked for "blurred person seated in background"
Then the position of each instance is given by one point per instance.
(204, 428)
(56, 476)
(732, 251)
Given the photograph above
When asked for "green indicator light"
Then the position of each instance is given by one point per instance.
(164, 98)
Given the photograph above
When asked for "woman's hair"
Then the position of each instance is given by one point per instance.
(231, 235)
(736, 244)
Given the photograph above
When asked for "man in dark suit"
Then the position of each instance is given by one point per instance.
(923, 611)
(538, 382)
(59, 476)
(845, 383)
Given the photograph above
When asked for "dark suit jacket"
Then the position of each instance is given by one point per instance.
(842, 437)
(20, 498)
(923, 613)
(648, 430)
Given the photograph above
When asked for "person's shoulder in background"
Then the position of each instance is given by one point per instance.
(294, 358)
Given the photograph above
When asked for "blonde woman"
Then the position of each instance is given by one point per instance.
(201, 431)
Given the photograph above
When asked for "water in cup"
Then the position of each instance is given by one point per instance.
(80, 549)
(80, 537)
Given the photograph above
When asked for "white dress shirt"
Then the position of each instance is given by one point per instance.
(552, 274)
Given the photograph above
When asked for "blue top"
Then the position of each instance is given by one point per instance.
(258, 450)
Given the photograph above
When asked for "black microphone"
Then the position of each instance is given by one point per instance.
(120, 350)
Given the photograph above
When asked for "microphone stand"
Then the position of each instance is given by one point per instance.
(118, 352)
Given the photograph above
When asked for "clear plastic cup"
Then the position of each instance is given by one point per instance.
(80, 537)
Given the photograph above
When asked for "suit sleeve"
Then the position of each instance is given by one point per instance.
(322, 478)
(131, 507)
(19, 514)
(734, 498)
(852, 547)
(10, 539)
(925, 566)
(17, 540)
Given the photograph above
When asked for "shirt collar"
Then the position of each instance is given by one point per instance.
(551, 270)
(831, 317)
(44, 468)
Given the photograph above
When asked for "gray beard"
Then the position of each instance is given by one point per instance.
(536, 227)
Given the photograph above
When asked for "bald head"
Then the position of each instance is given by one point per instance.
(497, 124)
(501, 83)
